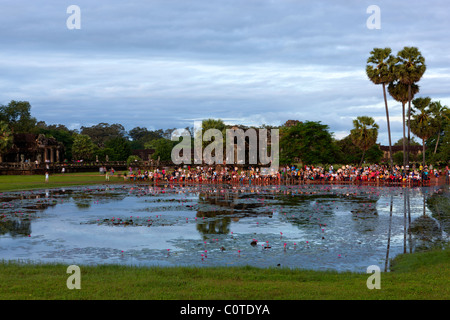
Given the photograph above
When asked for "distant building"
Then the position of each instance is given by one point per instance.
(413, 150)
(144, 154)
(30, 147)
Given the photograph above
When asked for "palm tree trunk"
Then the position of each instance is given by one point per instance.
(388, 125)
(409, 220)
(362, 158)
(423, 153)
(437, 142)
(404, 135)
(389, 236)
(404, 223)
(409, 123)
(424, 204)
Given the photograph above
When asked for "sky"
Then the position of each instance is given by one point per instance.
(164, 64)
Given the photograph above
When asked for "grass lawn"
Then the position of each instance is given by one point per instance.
(419, 276)
(28, 182)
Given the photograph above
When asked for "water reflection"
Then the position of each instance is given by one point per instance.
(306, 226)
(389, 234)
(16, 227)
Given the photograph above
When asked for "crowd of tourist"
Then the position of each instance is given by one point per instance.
(376, 174)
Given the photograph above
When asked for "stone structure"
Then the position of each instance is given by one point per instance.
(29, 147)
(413, 150)
(144, 154)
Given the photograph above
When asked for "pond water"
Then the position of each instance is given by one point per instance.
(320, 227)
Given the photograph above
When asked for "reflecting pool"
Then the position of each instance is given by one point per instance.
(344, 228)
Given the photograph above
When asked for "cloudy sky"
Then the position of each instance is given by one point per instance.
(165, 63)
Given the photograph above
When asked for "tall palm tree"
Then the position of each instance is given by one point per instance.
(379, 69)
(409, 69)
(422, 123)
(400, 92)
(364, 134)
(440, 114)
(6, 138)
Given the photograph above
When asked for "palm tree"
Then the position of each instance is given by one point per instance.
(440, 113)
(409, 69)
(6, 138)
(422, 123)
(400, 92)
(364, 134)
(379, 69)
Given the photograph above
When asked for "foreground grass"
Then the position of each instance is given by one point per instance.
(414, 276)
(29, 182)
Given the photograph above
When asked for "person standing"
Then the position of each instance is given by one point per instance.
(46, 177)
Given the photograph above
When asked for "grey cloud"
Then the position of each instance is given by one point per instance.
(160, 63)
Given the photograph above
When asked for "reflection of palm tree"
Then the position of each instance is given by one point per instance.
(389, 234)
(409, 218)
(439, 205)
(214, 226)
(425, 228)
(15, 227)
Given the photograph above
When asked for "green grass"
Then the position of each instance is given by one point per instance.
(28, 182)
(416, 276)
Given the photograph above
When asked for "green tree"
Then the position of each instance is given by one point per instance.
(141, 136)
(443, 154)
(104, 154)
(364, 134)
(374, 154)
(213, 124)
(348, 152)
(6, 138)
(17, 115)
(441, 116)
(422, 123)
(409, 69)
(120, 147)
(103, 132)
(310, 142)
(83, 147)
(217, 124)
(163, 149)
(379, 70)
